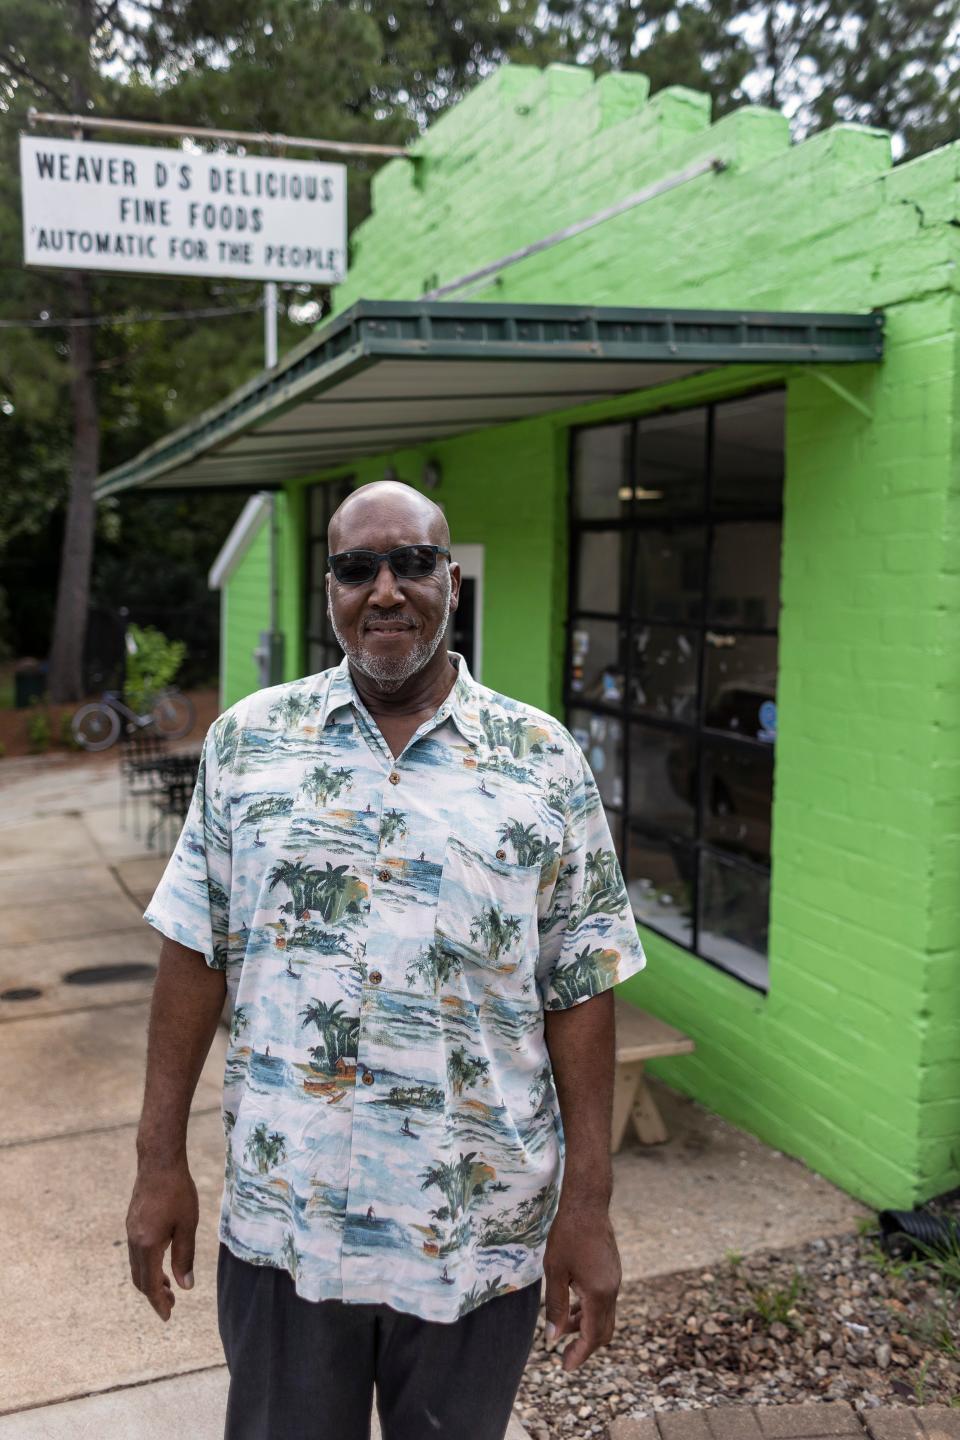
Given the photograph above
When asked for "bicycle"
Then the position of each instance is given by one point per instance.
(97, 726)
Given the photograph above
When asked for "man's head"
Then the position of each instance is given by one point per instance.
(390, 628)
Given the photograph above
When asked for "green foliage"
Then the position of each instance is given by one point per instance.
(894, 65)
(151, 667)
(39, 731)
(778, 1304)
(67, 736)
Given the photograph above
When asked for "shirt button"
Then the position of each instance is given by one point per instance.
(394, 778)
(501, 854)
(383, 874)
(374, 977)
(368, 1077)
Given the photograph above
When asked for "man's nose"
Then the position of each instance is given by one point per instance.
(385, 592)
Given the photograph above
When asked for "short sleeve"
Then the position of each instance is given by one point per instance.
(192, 902)
(588, 936)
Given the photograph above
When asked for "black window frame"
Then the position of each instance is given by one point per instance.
(709, 516)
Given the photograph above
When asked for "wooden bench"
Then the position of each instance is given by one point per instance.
(640, 1037)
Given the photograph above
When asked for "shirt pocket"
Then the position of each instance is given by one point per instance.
(486, 911)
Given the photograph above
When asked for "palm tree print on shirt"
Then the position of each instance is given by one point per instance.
(239, 1021)
(587, 974)
(340, 1033)
(265, 1150)
(603, 888)
(464, 1069)
(331, 891)
(495, 929)
(460, 1182)
(291, 709)
(392, 825)
(325, 783)
(435, 964)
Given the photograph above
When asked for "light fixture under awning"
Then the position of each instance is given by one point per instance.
(387, 375)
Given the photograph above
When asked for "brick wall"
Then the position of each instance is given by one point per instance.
(853, 1059)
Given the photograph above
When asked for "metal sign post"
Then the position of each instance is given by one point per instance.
(270, 324)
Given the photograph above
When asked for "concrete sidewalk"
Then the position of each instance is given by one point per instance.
(73, 886)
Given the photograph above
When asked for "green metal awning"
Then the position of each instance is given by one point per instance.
(386, 375)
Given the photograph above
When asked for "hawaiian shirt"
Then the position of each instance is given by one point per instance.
(392, 930)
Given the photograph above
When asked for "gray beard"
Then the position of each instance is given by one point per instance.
(391, 672)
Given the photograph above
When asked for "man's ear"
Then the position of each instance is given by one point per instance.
(455, 578)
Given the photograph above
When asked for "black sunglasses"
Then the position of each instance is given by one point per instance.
(408, 562)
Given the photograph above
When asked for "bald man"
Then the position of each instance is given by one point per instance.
(406, 884)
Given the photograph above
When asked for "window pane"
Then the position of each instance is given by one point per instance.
(663, 773)
(734, 906)
(741, 684)
(597, 660)
(748, 452)
(663, 677)
(602, 571)
(737, 791)
(669, 574)
(600, 737)
(670, 469)
(600, 459)
(660, 885)
(745, 575)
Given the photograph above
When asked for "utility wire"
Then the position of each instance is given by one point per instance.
(139, 319)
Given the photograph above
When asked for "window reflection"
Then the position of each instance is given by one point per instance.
(661, 885)
(663, 676)
(669, 574)
(600, 737)
(745, 575)
(734, 906)
(670, 471)
(601, 457)
(740, 683)
(597, 660)
(663, 774)
(602, 571)
(737, 788)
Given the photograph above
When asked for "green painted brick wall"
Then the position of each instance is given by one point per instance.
(850, 1061)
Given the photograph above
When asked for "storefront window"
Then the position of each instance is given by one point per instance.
(672, 662)
(322, 648)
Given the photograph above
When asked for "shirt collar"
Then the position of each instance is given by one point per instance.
(462, 704)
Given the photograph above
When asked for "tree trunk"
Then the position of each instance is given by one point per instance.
(73, 587)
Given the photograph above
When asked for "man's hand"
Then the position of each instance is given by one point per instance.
(164, 1210)
(581, 1254)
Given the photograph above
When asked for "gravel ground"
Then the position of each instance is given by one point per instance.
(833, 1319)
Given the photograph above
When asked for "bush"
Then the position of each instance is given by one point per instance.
(66, 731)
(152, 663)
(39, 731)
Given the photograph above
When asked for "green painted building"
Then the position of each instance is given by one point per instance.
(699, 456)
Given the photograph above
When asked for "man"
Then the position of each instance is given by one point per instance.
(431, 932)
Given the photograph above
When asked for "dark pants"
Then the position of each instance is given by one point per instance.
(306, 1370)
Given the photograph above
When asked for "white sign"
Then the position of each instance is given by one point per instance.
(90, 206)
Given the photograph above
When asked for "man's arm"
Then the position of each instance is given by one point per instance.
(581, 1249)
(188, 998)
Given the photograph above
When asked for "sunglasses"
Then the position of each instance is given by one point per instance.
(408, 562)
